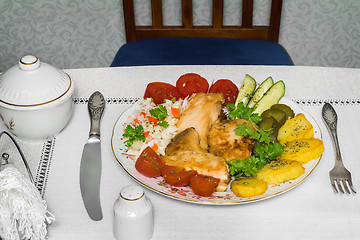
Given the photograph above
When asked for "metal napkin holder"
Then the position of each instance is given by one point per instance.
(5, 156)
(5, 160)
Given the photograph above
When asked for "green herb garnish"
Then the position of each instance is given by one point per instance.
(164, 124)
(134, 134)
(240, 111)
(263, 155)
(160, 113)
(258, 135)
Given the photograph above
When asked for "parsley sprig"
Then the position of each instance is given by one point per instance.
(263, 153)
(134, 134)
(262, 136)
(160, 113)
(240, 111)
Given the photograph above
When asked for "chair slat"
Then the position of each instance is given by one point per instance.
(246, 30)
(218, 6)
(187, 13)
(157, 16)
(275, 18)
(247, 13)
(129, 20)
(249, 33)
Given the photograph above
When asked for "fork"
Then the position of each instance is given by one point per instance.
(340, 177)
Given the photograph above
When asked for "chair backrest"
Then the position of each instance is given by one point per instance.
(216, 30)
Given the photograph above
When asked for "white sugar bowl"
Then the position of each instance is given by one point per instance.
(36, 99)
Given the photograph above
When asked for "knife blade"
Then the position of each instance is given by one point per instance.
(90, 166)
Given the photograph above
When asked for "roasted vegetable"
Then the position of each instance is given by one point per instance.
(297, 127)
(248, 187)
(279, 171)
(303, 150)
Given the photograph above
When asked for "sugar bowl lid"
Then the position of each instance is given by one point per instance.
(32, 83)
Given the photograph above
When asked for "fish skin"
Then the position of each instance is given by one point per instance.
(202, 111)
(185, 151)
(224, 142)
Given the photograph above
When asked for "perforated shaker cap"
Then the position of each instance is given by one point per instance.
(132, 193)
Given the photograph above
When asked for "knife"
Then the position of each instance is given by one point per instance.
(90, 167)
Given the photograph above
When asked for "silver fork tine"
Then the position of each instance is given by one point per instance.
(338, 182)
(351, 185)
(334, 186)
(346, 186)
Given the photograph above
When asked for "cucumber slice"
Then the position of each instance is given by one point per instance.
(264, 86)
(271, 97)
(246, 90)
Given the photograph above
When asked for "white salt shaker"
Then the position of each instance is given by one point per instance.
(133, 215)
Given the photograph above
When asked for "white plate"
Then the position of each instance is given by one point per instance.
(185, 193)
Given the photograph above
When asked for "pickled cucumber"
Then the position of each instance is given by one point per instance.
(268, 123)
(285, 108)
(279, 115)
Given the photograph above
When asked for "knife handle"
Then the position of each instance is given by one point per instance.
(96, 106)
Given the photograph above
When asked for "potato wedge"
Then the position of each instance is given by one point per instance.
(294, 128)
(303, 150)
(279, 171)
(248, 187)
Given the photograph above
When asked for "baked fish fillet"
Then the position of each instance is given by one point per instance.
(184, 151)
(224, 142)
(201, 112)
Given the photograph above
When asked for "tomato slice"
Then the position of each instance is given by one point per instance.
(228, 89)
(176, 176)
(159, 91)
(203, 185)
(149, 163)
(190, 83)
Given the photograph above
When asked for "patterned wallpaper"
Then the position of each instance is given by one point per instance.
(88, 33)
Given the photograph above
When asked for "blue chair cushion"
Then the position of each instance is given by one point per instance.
(201, 51)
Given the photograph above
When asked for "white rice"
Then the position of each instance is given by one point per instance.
(157, 134)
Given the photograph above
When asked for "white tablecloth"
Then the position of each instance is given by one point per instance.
(310, 211)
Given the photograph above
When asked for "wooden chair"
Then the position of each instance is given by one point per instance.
(188, 44)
